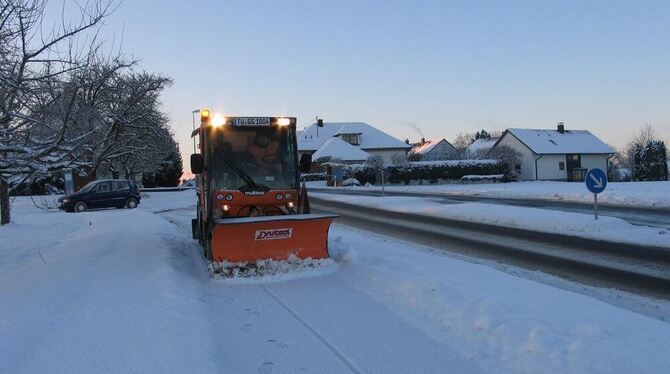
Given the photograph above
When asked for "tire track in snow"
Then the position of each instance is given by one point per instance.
(322, 339)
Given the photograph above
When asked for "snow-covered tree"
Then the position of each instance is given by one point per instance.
(65, 104)
(640, 138)
(650, 162)
(33, 60)
(510, 157)
(169, 172)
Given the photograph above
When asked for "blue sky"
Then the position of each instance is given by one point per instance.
(446, 67)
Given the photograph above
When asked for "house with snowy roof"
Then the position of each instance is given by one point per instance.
(432, 150)
(480, 147)
(348, 141)
(556, 154)
(337, 149)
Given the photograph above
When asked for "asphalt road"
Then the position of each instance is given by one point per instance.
(636, 216)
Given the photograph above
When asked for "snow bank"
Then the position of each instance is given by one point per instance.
(102, 291)
(550, 221)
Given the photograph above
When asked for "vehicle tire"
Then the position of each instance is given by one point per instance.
(131, 203)
(208, 249)
(80, 207)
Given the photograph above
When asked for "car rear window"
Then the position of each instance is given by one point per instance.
(120, 186)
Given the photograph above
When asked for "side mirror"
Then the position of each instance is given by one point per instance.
(196, 163)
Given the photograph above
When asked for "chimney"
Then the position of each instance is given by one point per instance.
(406, 141)
(423, 140)
(561, 127)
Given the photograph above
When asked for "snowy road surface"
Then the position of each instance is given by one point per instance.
(127, 291)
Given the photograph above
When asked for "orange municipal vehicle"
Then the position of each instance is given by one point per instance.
(250, 203)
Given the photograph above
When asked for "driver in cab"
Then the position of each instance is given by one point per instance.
(264, 150)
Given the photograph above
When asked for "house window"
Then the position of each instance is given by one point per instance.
(561, 165)
(352, 139)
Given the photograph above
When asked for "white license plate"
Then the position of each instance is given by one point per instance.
(252, 121)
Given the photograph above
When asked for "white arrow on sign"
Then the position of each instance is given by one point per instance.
(598, 182)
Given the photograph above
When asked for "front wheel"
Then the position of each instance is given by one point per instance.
(131, 203)
(80, 207)
(207, 249)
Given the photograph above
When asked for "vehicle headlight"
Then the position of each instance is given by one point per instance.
(279, 196)
(65, 201)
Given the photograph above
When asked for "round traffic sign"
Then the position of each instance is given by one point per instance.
(596, 180)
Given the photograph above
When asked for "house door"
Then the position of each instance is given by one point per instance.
(572, 162)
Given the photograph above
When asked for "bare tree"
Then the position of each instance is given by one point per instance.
(462, 142)
(645, 135)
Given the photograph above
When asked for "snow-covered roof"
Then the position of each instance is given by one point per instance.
(370, 137)
(555, 142)
(336, 148)
(481, 145)
(426, 147)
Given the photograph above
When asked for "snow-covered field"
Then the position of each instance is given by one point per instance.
(633, 194)
(534, 219)
(128, 291)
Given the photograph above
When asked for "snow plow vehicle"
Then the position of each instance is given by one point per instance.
(250, 203)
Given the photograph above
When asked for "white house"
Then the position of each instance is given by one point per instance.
(432, 150)
(556, 154)
(359, 135)
(480, 147)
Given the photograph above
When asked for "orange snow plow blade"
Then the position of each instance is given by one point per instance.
(249, 239)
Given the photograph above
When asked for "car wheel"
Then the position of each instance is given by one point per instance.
(131, 203)
(80, 207)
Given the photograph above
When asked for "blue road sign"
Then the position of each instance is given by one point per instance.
(596, 181)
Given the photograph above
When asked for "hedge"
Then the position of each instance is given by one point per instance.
(431, 171)
(310, 177)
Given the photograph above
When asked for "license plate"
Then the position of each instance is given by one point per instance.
(252, 121)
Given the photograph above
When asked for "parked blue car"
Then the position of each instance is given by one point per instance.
(114, 193)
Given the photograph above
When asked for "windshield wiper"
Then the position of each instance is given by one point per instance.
(238, 169)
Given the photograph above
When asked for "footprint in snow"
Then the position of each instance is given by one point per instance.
(246, 327)
(266, 367)
(278, 344)
(252, 312)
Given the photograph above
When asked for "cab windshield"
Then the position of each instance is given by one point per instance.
(248, 158)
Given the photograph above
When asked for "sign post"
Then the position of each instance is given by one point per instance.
(596, 181)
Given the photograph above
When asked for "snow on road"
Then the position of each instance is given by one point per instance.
(633, 194)
(127, 291)
(542, 220)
